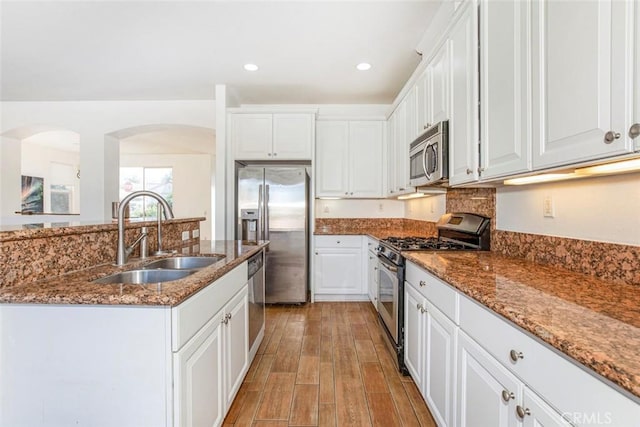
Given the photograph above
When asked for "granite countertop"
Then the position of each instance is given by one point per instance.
(595, 322)
(76, 287)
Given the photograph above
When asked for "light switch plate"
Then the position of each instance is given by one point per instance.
(548, 210)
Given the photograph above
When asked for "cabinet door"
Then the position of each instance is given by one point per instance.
(331, 158)
(636, 80)
(365, 159)
(481, 383)
(391, 155)
(580, 80)
(463, 127)
(438, 70)
(292, 136)
(440, 349)
(539, 414)
(401, 149)
(236, 343)
(423, 96)
(505, 104)
(372, 279)
(198, 385)
(415, 319)
(338, 271)
(252, 136)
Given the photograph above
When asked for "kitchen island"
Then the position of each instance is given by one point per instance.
(73, 352)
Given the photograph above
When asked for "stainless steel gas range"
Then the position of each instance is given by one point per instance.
(456, 231)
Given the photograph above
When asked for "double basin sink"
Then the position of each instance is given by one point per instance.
(162, 270)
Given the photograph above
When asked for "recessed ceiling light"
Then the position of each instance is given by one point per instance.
(251, 67)
(363, 66)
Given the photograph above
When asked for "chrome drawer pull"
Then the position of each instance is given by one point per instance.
(507, 395)
(515, 355)
(522, 411)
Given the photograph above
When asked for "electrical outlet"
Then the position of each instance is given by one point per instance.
(548, 210)
(325, 209)
(196, 233)
(185, 235)
(431, 206)
(380, 207)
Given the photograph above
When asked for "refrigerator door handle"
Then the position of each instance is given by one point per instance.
(260, 230)
(266, 213)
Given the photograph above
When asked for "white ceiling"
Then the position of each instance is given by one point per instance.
(153, 50)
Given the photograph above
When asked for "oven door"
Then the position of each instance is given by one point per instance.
(388, 296)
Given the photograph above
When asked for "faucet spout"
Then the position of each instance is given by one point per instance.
(121, 251)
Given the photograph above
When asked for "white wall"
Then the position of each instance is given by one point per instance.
(359, 208)
(426, 208)
(191, 183)
(93, 120)
(605, 209)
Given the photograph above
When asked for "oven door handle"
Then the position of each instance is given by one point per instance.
(389, 267)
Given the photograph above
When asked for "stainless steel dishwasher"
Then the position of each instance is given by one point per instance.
(256, 300)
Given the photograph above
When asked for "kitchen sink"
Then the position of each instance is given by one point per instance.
(184, 262)
(145, 276)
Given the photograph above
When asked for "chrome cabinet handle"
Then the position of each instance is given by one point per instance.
(469, 171)
(401, 189)
(418, 306)
(338, 241)
(423, 283)
(507, 395)
(522, 411)
(421, 308)
(346, 193)
(225, 320)
(610, 136)
(634, 130)
(229, 315)
(515, 355)
(275, 154)
(269, 154)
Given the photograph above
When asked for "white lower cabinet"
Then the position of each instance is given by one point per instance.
(199, 392)
(372, 276)
(430, 339)
(208, 370)
(338, 268)
(482, 380)
(490, 395)
(474, 368)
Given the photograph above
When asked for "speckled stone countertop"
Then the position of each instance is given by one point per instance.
(76, 287)
(593, 321)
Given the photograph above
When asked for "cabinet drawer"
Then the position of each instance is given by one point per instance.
(565, 384)
(195, 312)
(440, 294)
(338, 241)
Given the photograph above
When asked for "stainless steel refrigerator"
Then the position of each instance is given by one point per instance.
(273, 204)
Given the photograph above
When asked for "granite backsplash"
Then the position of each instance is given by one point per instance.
(29, 255)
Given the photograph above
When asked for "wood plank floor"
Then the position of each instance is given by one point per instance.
(325, 364)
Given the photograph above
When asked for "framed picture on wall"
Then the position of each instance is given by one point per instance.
(32, 194)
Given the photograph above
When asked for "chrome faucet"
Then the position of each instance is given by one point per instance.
(123, 252)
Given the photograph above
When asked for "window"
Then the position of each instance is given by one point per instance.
(158, 180)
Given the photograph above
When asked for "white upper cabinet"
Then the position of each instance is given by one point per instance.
(331, 158)
(505, 102)
(349, 159)
(463, 124)
(292, 136)
(365, 158)
(581, 80)
(283, 136)
(438, 99)
(402, 119)
(391, 156)
(423, 95)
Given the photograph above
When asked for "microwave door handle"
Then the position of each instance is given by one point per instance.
(424, 162)
(435, 158)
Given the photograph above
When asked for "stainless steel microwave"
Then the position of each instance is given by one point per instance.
(429, 157)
